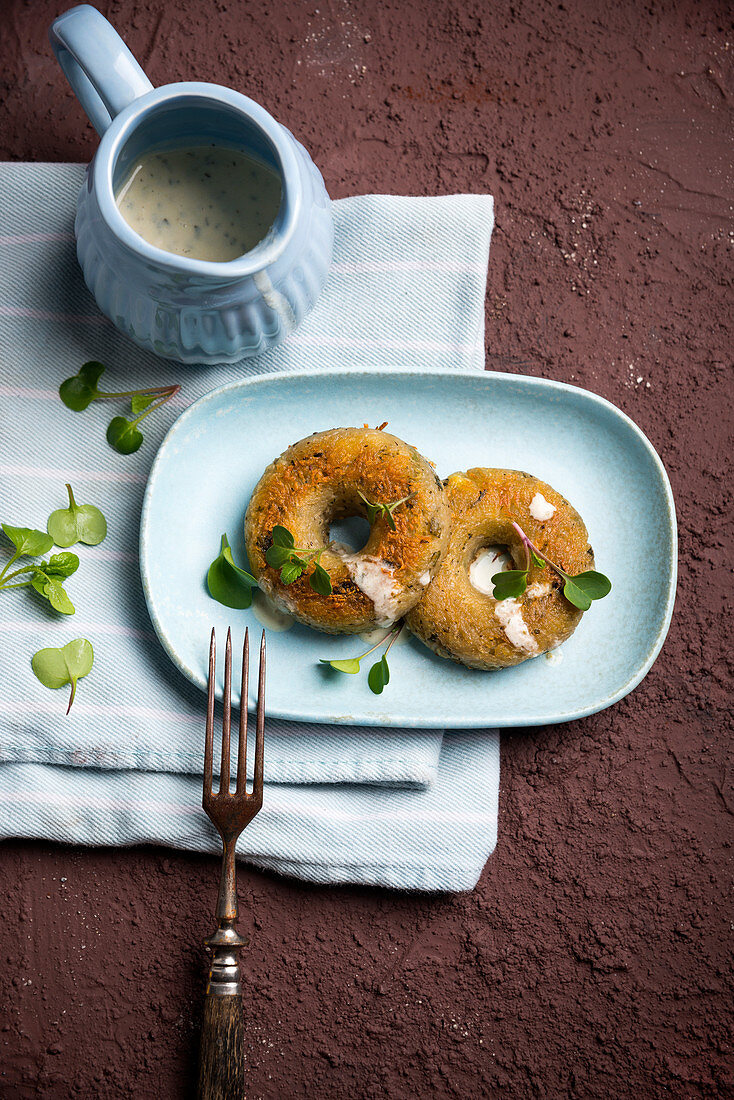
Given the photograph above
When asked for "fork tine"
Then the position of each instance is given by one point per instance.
(257, 786)
(226, 716)
(242, 744)
(209, 745)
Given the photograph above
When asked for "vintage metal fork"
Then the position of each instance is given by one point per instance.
(222, 1061)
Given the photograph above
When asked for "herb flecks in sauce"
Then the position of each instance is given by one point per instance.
(206, 202)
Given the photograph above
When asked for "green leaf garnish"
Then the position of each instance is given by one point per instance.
(350, 665)
(509, 584)
(377, 508)
(228, 584)
(277, 556)
(57, 667)
(585, 587)
(379, 676)
(78, 392)
(320, 581)
(77, 523)
(580, 590)
(282, 536)
(52, 589)
(123, 435)
(46, 577)
(293, 561)
(140, 401)
(291, 571)
(28, 542)
(60, 565)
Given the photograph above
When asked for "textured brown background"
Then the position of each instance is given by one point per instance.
(593, 959)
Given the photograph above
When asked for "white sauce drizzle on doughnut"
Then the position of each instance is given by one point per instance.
(425, 578)
(509, 613)
(489, 560)
(539, 588)
(376, 580)
(540, 508)
(268, 615)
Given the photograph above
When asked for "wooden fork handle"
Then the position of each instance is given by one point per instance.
(222, 1059)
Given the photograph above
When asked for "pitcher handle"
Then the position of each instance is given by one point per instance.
(102, 72)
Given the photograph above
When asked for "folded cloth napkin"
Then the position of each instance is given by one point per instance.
(413, 809)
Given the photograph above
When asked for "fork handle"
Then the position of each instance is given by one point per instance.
(222, 1059)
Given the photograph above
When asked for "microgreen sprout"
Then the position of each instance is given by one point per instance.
(57, 667)
(376, 509)
(379, 675)
(293, 561)
(123, 435)
(580, 590)
(227, 583)
(45, 577)
(77, 523)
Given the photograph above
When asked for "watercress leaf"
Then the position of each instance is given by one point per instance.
(282, 536)
(39, 580)
(77, 523)
(123, 436)
(61, 565)
(52, 589)
(350, 665)
(28, 541)
(387, 512)
(320, 581)
(227, 583)
(57, 667)
(291, 571)
(57, 597)
(78, 392)
(276, 556)
(576, 595)
(535, 559)
(379, 676)
(593, 584)
(227, 555)
(509, 584)
(141, 401)
(91, 372)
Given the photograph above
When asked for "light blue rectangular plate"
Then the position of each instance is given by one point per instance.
(584, 447)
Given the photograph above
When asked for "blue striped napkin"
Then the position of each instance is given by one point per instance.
(414, 809)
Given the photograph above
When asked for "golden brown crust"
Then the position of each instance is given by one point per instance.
(318, 480)
(456, 620)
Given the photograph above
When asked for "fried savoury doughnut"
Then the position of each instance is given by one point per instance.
(318, 480)
(464, 623)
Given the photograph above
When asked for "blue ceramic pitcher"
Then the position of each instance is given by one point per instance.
(196, 311)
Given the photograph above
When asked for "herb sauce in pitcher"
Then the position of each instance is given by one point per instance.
(206, 202)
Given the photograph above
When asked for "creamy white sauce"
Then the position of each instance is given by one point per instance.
(376, 580)
(425, 578)
(489, 560)
(509, 613)
(494, 559)
(207, 202)
(540, 508)
(268, 615)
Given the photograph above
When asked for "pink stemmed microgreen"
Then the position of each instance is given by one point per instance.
(580, 590)
(379, 675)
(123, 435)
